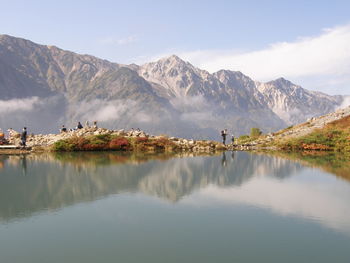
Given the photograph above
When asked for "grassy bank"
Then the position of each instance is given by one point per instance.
(335, 136)
(109, 142)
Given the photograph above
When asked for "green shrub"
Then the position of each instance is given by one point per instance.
(255, 132)
(243, 137)
(63, 146)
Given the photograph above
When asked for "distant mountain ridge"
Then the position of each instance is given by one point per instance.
(167, 96)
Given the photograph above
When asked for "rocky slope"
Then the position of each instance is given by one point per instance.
(43, 87)
(331, 130)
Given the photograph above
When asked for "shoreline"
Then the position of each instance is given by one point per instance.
(101, 139)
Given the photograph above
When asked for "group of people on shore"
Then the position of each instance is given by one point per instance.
(224, 134)
(79, 126)
(24, 133)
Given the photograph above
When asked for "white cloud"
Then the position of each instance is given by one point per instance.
(328, 53)
(194, 108)
(346, 103)
(102, 110)
(320, 62)
(13, 105)
(190, 103)
(109, 111)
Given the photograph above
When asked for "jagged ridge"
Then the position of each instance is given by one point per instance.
(169, 95)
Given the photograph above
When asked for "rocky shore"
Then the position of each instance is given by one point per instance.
(46, 142)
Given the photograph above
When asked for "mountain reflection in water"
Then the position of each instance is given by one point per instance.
(33, 183)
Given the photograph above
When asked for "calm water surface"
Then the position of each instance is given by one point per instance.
(233, 207)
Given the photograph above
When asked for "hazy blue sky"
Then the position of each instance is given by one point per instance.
(256, 37)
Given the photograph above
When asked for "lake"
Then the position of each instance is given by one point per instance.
(230, 207)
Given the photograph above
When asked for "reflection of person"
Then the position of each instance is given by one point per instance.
(233, 155)
(223, 160)
(24, 165)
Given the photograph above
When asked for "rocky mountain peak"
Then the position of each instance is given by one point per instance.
(228, 76)
(282, 84)
(170, 65)
(173, 73)
(173, 58)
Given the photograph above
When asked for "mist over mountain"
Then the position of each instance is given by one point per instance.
(43, 87)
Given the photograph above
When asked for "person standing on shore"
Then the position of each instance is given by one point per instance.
(63, 129)
(24, 137)
(224, 134)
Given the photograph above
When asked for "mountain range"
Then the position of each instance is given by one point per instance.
(43, 87)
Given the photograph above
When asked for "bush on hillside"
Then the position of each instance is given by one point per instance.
(255, 132)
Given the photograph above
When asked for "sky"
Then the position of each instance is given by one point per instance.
(307, 42)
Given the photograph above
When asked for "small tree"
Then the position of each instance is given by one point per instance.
(255, 132)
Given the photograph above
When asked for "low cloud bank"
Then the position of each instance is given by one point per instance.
(115, 113)
(15, 105)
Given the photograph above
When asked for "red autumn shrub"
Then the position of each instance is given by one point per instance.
(80, 142)
(163, 141)
(119, 143)
(93, 147)
(141, 139)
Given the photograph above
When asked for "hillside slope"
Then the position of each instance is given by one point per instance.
(330, 132)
